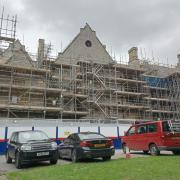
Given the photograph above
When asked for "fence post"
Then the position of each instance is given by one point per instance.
(57, 140)
(118, 140)
(79, 130)
(118, 132)
(6, 133)
(99, 130)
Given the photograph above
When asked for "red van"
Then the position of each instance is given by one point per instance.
(153, 137)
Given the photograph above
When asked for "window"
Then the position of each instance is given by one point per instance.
(142, 129)
(71, 137)
(131, 131)
(25, 137)
(152, 128)
(88, 43)
(13, 137)
(84, 136)
(166, 127)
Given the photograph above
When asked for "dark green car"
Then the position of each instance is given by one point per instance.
(30, 146)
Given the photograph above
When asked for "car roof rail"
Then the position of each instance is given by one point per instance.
(140, 122)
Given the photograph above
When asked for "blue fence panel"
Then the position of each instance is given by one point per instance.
(117, 143)
(3, 146)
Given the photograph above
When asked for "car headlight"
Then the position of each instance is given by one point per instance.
(26, 147)
(54, 145)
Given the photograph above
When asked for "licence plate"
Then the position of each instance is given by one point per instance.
(99, 145)
(43, 154)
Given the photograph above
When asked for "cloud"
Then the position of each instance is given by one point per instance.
(153, 25)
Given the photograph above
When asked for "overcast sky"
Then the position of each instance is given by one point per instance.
(153, 26)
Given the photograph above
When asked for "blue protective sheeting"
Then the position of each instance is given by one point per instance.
(156, 81)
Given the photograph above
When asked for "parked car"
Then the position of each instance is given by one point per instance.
(86, 145)
(30, 146)
(153, 136)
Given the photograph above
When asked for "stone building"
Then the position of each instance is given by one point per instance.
(84, 82)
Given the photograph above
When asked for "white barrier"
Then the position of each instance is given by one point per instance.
(66, 131)
(2, 132)
(50, 131)
(90, 129)
(109, 131)
(123, 128)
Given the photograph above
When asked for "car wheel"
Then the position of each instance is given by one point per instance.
(18, 162)
(53, 161)
(145, 152)
(154, 150)
(8, 159)
(176, 152)
(60, 155)
(74, 156)
(107, 158)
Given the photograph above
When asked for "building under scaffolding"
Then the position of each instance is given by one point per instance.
(83, 82)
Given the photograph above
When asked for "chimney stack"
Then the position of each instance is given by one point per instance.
(178, 56)
(41, 49)
(133, 54)
(178, 64)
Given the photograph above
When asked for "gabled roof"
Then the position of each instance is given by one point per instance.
(16, 54)
(87, 26)
(78, 50)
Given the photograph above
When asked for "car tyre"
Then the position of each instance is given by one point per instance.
(145, 152)
(176, 152)
(60, 156)
(18, 161)
(74, 156)
(154, 150)
(8, 159)
(53, 161)
(107, 158)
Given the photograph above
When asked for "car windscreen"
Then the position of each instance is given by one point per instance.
(25, 137)
(90, 136)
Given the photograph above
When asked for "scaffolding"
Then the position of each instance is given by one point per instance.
(87, 90)
(7, 30)
(162, 87)
(114, 91)
(81, 90)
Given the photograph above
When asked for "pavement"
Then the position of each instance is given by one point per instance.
(4, 167)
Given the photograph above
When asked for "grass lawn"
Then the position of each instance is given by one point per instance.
(148, 168)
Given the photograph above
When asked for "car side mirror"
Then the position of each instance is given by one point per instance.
(125, 133)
